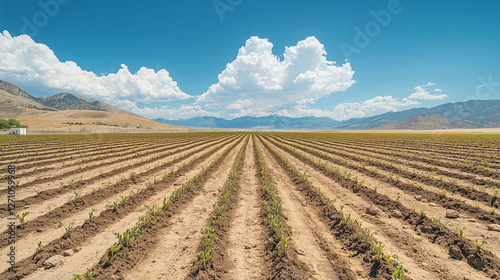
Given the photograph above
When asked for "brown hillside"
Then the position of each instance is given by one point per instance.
(67, 110)
(37, 119)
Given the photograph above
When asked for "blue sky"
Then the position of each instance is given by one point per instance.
(227, 58)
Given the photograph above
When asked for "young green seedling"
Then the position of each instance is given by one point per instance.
(38, 249)
(377, 248)
(111, 254)
(399, 273)
(113, 206)
(91, 214)
(21, 218)
(480, 245)
(78, 195)
(443, 193)
(68, 229)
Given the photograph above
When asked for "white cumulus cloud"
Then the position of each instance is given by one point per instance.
(23, 61)
(184, 111)
(257, 81)
(379, 104)
(424, 94)
(343, 111)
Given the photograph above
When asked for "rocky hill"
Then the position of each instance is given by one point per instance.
(66, 109)
(71, 101)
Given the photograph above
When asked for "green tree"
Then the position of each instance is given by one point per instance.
(7, 123)
(4, 124)
(14, 122)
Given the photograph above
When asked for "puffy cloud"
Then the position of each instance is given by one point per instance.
(421, 93)
(23, 61)
(342, 111)
(239, 104)
(256, 83)
(184, 111)
(260, 78)
(379, 104)
(305, 101)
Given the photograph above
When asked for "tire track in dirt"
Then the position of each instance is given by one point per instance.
(421, 258)
(245, 239)
(310, 237)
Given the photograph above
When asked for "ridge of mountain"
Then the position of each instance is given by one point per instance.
(472, 113)
(65, 109)
(72, 101)
(13, 98)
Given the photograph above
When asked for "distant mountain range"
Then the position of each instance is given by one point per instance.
(269, 122)
(72, 108)
(483, 113)
(13, 97)
(469, 114)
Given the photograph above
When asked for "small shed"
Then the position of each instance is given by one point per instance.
(14, 130)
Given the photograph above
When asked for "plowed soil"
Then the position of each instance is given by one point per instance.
(428, 202)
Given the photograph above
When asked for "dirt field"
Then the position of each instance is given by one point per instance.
(242, 205)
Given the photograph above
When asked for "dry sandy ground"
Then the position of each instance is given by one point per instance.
(173, 249)
(57, 121)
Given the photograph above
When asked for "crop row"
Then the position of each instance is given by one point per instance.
(208, 248)
(349, 231)
(279, 238)
(76, 186)
(434, 230)
(97, 195)
(432, 149)
(120, 157)
(115, 211)
(414, 158)
(120, 255)
(360, 163)
(29, 153)
(439, 146)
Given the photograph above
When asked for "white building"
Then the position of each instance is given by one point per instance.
(17, 130)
